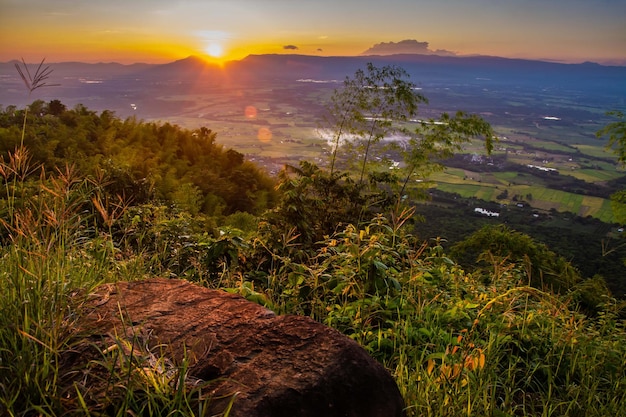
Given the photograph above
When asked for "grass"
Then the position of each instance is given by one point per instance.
(458, 344)
(553, 146)
(54, 253)
(506, 176)
(464, 190)
(460, 182)
(42, 268)
(240, 133)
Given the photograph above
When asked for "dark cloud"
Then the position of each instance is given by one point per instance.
(293, 47)
(407, 46)
(320, 50)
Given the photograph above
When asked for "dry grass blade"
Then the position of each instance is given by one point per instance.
(41, 75)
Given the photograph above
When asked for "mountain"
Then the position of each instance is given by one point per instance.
(183, 69)
(442, 69)
(115, 86)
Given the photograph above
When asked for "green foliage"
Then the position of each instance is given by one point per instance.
(618, 205)
(496, 341)
(49, 255)
(138, 160)
(498, 246)
(458, 344)
(369, 107)
(243, 221)
(379, 103)
(62, 239)
(616, 131)
(314, 202)
(374, 104)
(436, 140)
(617, 142)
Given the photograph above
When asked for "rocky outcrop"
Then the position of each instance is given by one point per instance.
(273, 365)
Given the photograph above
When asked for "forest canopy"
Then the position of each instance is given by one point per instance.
(139, 161)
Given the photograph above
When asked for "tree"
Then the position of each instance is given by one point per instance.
(315, 202)
(438, 139)
(374, 104)
(382, 102)
(56, 108)
(499, 245)
(616, 132)
(370, 107)
(140, 161)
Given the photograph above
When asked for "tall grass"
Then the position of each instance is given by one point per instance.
(457, 344)
(43, 265)
(32, 82)
(56, 248)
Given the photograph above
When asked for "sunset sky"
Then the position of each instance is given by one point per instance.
(155, 31)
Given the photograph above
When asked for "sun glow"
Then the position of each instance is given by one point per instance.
(215, 50)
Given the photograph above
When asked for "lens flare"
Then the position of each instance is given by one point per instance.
(264, 135)
(250, 112)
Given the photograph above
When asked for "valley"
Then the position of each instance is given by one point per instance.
(272, 109)
(502, 291)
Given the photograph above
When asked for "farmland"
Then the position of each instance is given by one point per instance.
(273, 110)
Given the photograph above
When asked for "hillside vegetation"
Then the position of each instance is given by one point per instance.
(137, 161)
(88, 199)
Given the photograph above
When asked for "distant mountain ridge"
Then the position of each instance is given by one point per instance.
(290, 61)
(108, 84)
(279, 66)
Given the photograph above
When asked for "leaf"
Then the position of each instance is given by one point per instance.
(425, 332)
(395, 283)
(437, 355)
(380, 266)
(481, 360)
(430, 366)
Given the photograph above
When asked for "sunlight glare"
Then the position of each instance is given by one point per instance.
(215, 50)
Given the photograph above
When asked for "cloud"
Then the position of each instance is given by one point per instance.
(293, 47)
(407, 46)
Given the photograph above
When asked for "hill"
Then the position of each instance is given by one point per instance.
(496, 341)
(112, 84)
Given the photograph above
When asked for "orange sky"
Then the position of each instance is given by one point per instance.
(164, 30)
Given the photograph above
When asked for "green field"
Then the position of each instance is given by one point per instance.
(285, 130)
(538, 196)
(554, 146)
(595, 175)
(595, 151)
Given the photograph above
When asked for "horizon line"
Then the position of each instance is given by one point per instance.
(212, 61)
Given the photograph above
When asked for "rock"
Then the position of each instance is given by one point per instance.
(276, 365)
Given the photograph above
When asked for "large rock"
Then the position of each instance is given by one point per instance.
(277, 365)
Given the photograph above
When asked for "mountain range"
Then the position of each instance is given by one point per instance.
(101, 86)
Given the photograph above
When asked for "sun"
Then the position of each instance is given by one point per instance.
(215, 50)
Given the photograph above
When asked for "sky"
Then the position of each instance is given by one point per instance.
(159, 31)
